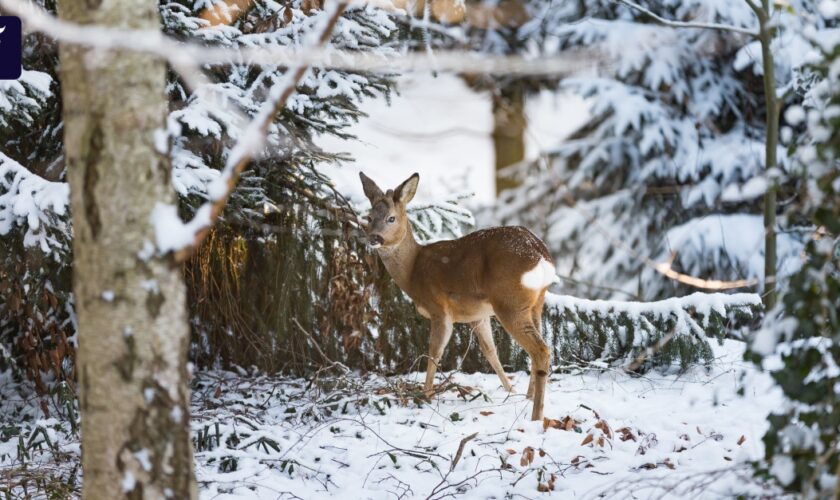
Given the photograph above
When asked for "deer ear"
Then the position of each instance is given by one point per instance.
(370, 188)
(405, 191)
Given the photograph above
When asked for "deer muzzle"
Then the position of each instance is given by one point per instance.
(375, 241)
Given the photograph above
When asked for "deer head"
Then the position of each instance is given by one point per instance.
(388, 221)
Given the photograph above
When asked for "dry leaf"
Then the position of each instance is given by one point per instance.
(566, 423)
(527, 457)
(576, 459)
(546, 487)
(542, 452)
(605, 428)
(586, 440)
(550, 422)
(511, 451)
(626, 434)
(741, 440)
(485, 413)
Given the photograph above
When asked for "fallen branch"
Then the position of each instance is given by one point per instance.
(461, 450)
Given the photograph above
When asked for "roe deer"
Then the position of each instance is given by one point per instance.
(502, 272)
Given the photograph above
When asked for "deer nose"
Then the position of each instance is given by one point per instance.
(375, 240)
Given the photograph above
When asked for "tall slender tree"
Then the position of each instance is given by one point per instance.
(130, 303)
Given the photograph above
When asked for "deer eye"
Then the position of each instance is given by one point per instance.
(392, 219)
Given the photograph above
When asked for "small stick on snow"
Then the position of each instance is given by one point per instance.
(461, 450)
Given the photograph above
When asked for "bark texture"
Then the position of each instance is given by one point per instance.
(508, 131)
(131, 306)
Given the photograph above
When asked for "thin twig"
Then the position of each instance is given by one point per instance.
(309, 336)
(640, 359)
(682, 24)
(461, 450)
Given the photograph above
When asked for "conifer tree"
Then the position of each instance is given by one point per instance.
(670, 165)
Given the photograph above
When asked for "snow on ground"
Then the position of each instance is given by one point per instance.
(439, 127)
(350, 436)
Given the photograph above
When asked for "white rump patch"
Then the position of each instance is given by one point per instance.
(542, 275)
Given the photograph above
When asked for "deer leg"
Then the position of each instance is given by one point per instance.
(536, 317)
(520, 326)
(440, 334)
(484, 333)
(531, 382)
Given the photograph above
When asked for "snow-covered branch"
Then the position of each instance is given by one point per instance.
(186, 58)
(646, 334)
(249, 145)
(682, 24)
(445, 219)
(32, 201)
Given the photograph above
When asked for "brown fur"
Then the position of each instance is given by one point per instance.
(466, 280)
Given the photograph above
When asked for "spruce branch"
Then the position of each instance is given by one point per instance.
(254, 136)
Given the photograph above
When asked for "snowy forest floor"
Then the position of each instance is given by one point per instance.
(687, 435)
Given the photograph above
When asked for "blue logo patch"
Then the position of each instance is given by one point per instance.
(11, 38)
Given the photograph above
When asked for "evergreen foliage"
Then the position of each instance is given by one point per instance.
(37, 333)
(804, 331)
(671, 156)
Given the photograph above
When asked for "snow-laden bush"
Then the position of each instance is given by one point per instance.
(641, 335)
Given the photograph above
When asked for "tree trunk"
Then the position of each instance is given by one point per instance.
(771, 141)
(131, 306)
(508, 131)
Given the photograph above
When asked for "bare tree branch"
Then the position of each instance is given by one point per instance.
(186, 58)
(682, 24)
